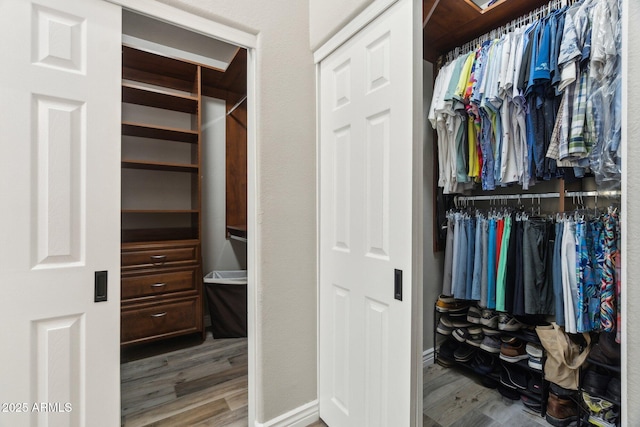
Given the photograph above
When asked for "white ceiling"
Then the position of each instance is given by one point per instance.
(169, 40)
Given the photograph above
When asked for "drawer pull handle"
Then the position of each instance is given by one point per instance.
(158, 285)
(158, 259)
(164, 313)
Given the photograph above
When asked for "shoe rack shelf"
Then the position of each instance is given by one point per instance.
(585, 412)
(521, 364)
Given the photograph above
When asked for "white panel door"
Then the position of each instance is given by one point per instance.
(366, 145)
(60, 216)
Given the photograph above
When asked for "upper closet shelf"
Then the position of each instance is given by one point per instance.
(159, 166)
(159, 132)
(158, 98)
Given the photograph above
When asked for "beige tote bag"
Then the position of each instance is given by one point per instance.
(564, 358)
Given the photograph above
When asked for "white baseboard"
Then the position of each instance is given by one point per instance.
(428, 357)
(301, 416)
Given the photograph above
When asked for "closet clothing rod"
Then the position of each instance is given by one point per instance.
(508, 197)
(538, 195)
(244, 98)
(593, 194)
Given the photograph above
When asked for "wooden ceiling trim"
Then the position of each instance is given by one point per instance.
(428, 6)
(455, 22)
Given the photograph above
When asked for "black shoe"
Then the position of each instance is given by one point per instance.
(508, 393)
(535, 385)
(464, 353)
(613, 390)
(513, 377)
(483, 363)
(562, 392)
(447, 349)
(531, 403)
(595, 383)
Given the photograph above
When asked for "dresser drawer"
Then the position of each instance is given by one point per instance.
(158, 255)
(152, 321)
(151, 282)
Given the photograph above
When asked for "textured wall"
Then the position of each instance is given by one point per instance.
(326, 17)
(286, 288)
(633, 221)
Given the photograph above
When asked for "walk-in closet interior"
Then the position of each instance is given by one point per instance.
(184, 222)
(523, 123)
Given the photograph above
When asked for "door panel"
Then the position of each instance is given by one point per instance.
(366, 172)
(60, 180)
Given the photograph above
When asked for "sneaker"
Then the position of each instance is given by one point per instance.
(460, 322)
(513, 352)
(490, 344)
(452, 306)
(508, 393)
(446, 352)
(535, 363)
(474, 339)
(489, 318)
(474, 315)
(534, 350)
(464, 353)
(513, 378)
(508, 339)
(445, 303)
(530, 334)
(535, 385)
(491, 332)
(531, 403)
(446, 321)
(483, 363)
(460, 334)
(444, 329)
(507, 322)
(463, 334)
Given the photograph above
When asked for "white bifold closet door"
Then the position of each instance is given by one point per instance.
(60, 216)
(368, 99)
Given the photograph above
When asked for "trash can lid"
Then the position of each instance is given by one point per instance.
(227, 277)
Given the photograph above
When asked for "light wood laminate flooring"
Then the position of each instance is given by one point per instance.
(184, 382)
(193, 384)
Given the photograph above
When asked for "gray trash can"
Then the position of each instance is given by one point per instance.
(227, 299)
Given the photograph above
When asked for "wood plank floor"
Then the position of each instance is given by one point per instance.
(453, 399)
(184, 382)
(192, 385)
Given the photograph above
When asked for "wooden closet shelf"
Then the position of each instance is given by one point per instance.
(160, 211)
(141, 235)
(158, 70)
(159, 166)
(159, 132)
(158, 98)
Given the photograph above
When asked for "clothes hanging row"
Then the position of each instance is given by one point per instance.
(565, 266)
(539, 102)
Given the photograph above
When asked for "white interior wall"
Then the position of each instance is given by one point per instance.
(432, 269)
(631, 346)
(326, 17)
(286, 368)
(218, 253)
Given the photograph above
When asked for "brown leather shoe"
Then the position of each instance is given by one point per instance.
(561, 412)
